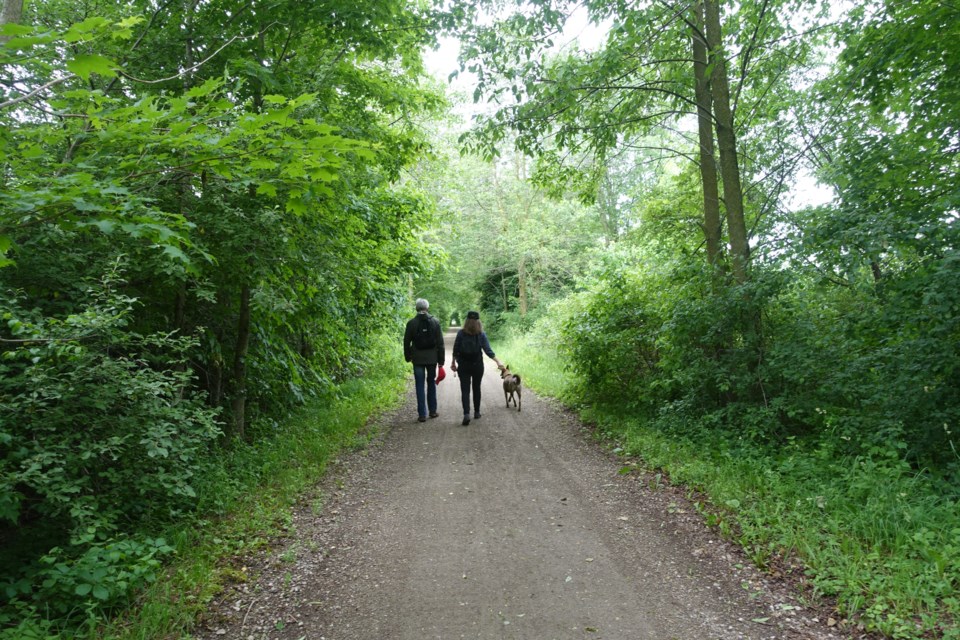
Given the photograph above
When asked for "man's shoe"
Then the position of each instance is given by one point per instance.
(466, 420)
(476, 416)
(422, 419)
(434, 414)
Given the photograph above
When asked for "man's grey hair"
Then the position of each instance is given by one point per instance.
(422, 304)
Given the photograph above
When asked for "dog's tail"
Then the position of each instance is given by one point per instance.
(518, 379)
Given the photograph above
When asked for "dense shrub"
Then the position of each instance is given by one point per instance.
(784, 356)
(101, 436)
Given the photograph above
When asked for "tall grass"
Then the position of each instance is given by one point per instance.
(877, 537)
(538, 364)
(250, 498)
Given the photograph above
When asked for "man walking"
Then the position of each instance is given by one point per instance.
(423, 346)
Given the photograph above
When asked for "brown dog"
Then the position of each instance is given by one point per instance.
(511, 385)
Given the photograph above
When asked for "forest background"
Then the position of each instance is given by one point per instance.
(214, 217)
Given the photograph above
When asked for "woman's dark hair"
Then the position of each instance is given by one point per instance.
(472, 327)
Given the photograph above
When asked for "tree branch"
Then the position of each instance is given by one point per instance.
(36, 91)
(185, 71)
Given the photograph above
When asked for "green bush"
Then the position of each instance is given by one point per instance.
(102, 435)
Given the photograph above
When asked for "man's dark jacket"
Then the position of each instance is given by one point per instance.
(434, 355)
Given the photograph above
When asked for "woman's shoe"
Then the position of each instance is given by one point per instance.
(466, 420)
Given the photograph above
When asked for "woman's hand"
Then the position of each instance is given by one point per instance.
(453, 366)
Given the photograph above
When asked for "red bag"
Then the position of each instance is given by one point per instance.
(441, 374)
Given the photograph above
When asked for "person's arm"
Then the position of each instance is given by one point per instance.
(487, 349)
(456, 351)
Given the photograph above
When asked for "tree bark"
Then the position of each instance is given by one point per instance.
(240, 364)
(607, 209)
(727, 144)
(12, 12)
(708, 163)
(503, 292)
(522, 285)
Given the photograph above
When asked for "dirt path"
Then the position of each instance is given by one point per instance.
(515, 527)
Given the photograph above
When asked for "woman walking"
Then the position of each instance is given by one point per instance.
(468, 349)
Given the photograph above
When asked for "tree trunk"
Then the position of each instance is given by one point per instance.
(240, 364)
(708, 164)
(12, 12)
(243, 319)
(215, 380)
(727, 143)
(179, 325)
(607, 209)
(503, 293)
(522, 285)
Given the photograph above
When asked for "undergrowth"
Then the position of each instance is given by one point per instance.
(880, 539)
(242, 503)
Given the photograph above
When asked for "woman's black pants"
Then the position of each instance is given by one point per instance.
(470, 376)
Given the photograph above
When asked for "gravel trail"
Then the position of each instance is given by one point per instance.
(516, 527)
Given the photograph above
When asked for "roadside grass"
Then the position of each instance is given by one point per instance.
(248, 503)
(878, 538)
(540, 368)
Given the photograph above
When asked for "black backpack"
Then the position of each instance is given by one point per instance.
(424, 336)
(470, 348)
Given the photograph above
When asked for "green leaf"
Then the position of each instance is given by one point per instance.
(83, 589)
(12, 29)
(105, 226)
(101, 593)
(266, 189)
(296, 206)
(25, 42)
(321, 173)
(132, 21)
(31, 151)
(85, 64)
(82, 205)
(204, 89)
(80, 30)
(175, 252)
(302, 100)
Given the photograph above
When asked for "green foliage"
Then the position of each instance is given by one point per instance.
(101, 435)
(249, 171)
(96, 405)
(104, 576)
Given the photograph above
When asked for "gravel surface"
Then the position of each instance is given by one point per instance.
(518, 526)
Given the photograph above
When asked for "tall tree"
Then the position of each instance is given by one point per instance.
(708, 166)
(570, 104)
